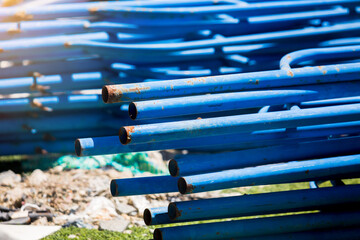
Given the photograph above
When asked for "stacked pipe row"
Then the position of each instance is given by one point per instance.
(53, 52)
(306, 128)
(296, 124)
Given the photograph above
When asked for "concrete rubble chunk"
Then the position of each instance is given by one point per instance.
(37, 178)
(118, 224)
(9, 178)
(123, 207)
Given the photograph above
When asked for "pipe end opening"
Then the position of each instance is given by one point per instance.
(184, 187)
(173, 168)
(114, 188)
(173, 211)
(105, 94)
(78, 149)
(158, 234)
(147, 217)
(133, 111)
(124, 136)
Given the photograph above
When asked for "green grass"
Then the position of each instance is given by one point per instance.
(73, 233)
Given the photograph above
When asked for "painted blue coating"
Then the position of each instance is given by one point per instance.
(319, 53)
(54, 68)
(112, 145)
(230, 101)
(156, 216)
(66, 81)
(41, 28)
(192, 164)
(328, 234)
(318, 169)
(237, 124)
(62, 122)
(244, 11)
(56, 135)
(37, 147)
(266, 203)
(12, 48)
(232, 82)
(53, 103)
(259, 226)
(330, 102)
(143, 185)
(199, 49)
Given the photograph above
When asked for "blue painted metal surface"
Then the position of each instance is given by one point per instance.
(193, 164)
(267, 203)
(143, 185)
(260, 226)
(111, 144)
(236, 100)
(55, 57)
(235, 82)
(329, 234)
(318, 169)
(237, 124)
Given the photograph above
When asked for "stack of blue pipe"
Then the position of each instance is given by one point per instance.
(255, 125)
(203, 76)
(53, 52)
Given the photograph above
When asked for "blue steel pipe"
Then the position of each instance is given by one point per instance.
(62, 122)
(259, 226)
(243, 11)
(230, 101)
(142, 185)
(319, 54)
(275, 202)
(156, 216)
(297, 171)
(328, 234)
(330, 102)
(112, 145)
(12, 48)
(232, 82)
(37, 147)
(237, 124)
(192, 164)
(62, 82)
(53, 68)
(52, 103)
(20, 13)
(200, 49)
(55, 135)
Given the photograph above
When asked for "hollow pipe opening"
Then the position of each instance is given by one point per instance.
(173, 211)
(133, 111)
(147, 217)
(113, 188)
(124, 136)
(173, 168)
(158, 234)
(105, 94)
(78, 149)
(184, 187)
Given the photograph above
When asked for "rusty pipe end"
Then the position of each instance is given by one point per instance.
(173, 211)
(78, 149)
(125, 135)
(158, 234)
(147, 217)
(133, 112)
(110, 94)
(184, 187)
(173, 168)
(114, 188)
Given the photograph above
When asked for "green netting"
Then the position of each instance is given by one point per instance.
(135, 162)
